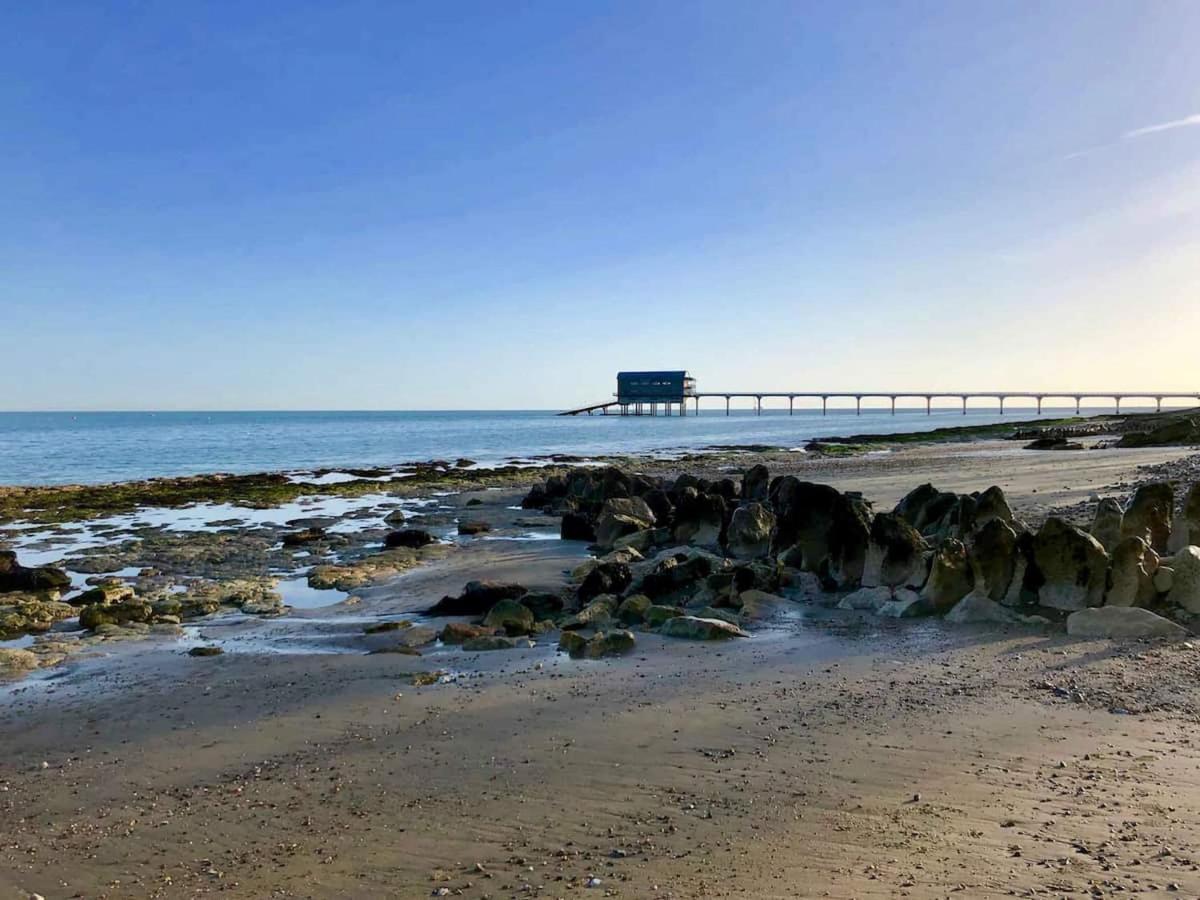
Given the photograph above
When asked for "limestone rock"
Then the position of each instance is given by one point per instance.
(1106, 524)
(895, 554)
(16, 577)
(924, 507)
(1121, 622)
(750, 531)
(990, 506)
(1149, 515)
(1191, 515)
(610, 643)
(16, 662)
(697, 629)
(1072, 565)
(950, 577)
(1132, 577)
(576, 526)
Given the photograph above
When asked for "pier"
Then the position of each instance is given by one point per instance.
(671, 392)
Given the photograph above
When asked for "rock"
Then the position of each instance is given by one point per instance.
(990, 506)
(31, 613)
(574, 643)
(543, 605)
(978, 606)
(494, 642)
(1121, 622)
(510, 616)
(304, 536)
(905, 604)
(656, 614)
(597, 614)
(205, 651)
(395, 517)
(750, 530)
(895, 554)
(950, 577)
(123, 613)
(414, 636)
(993, 558)
(458, 632)
(868, 598)
(1164, 579)
(1185, 580)
(576, 526)
(16, 662)
(722, 613)
(639, 541)
(16, 577)
(469, 529)
(1106, 524)
(477, 598)
(924, 507)
(1071, 565)
(1149, 515)
(384, 627)
(818, 529)
(110, 592)
(660, 504)
(756, 484)
(610, 643)
(697, 629)
(1132, 574)
(633, 608)
(757, 605)
(1053, 442)
(1191, 515)
(412, 538)
(606, 578)
(1180, 431)
(620, 517)
(699, 518)
(678, 573)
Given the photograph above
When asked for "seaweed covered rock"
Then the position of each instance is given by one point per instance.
(575, 526)
(698, 629)
(412, 538)
(1071, 565)
(1149, 515)
(819, 529)
(895, 553)
(459, 632)
(750, 531)
(510, 616)
(633, 608)
(1180, 431)
(16, 577)
(31, 613)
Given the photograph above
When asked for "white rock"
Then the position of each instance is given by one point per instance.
(868, 598)
(1121, 622)
(1185, 583)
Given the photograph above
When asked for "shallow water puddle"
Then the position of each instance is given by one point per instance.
(297, 592)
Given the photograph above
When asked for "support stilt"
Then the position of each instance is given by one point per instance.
(929, 406)
(964, 404)
(858, 406)
(893, 406)
(791, 405)
(824, 402)
(727, 404)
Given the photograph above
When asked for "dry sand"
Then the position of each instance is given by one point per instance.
(829, 756)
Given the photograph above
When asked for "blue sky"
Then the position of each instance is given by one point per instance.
(460, 205)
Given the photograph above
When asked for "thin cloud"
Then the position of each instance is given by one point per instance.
(1164, 126)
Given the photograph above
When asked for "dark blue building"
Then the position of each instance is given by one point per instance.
(654, 387)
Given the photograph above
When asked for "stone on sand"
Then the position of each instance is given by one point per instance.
(1121, 622)
(698, 629)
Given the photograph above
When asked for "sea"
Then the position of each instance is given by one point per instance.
(41, 448)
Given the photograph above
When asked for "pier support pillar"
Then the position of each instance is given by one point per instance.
(1078, 401)
(824, 405)
(858, 406)
(1002, 405)
(1039, 400)
(726, 404)
(964, 404)
(791, 406)
(758, 406)
(1158, 404)
(893, 406)
(929, 406)
(1118, 399)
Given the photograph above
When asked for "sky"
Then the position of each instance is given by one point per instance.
(382, 205)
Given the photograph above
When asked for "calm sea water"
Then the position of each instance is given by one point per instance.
(62, 448)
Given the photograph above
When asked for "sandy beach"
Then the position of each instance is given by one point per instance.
(832, 754)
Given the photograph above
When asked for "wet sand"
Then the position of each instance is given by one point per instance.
(827, 755)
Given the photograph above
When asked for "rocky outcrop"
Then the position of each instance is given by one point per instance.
(818, 529)
(1181, 431)
(895, 554)
(510, 616)
(1106, 524)
(1185, 579)
(30, 613)
(1131, 580)
(924, 507)
(1072, 567)
(1149, 515)
(606, 578)
(950, 577)
(597, 614)
(458, 632)
(699, 518)
(1122, 622)
(633, 608)
(412, 538)
(16, 577)
(750, 530)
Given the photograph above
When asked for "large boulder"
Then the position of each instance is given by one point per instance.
(924, 508)
(950, 577)
(477, 598)
(123, 613)
(622, 516)
(678, 572)
(1185, 579)
(993, 554)
(990, 506)
(1121, 622)
(1149, 515)
(597, 614)
(756, 484)
(698, 629)
(412, 538)
(699, 518)
(633, 608)
(1071, 565)
(750, 530)
(1131, 580)
(979, 607)
(895, 554)
(1106, 524)
(819, 529)
(30, 613)
(575, 526)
